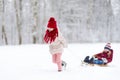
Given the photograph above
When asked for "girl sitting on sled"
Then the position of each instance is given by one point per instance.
(102, 58)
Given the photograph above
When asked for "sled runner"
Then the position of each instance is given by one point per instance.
(86, 64)
(90, 64)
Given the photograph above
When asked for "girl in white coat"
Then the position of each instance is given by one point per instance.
(57, 42)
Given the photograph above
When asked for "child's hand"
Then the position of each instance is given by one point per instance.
(104, 60)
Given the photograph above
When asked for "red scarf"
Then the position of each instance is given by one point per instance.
(50, 36)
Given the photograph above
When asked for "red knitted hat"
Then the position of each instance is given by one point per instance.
(52, 23)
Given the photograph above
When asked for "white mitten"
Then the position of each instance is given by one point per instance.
(95, 58)
(104, 60)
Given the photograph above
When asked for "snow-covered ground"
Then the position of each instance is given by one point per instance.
(33, 62)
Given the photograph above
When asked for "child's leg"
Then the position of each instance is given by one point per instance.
(54, 57)
(98, 62)
(91, 60)
(59, 61)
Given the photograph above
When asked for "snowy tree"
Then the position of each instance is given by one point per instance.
(25, 21)
(1, 13)
(3, 37)
(85, 19)
(18, 9)
(115, 28)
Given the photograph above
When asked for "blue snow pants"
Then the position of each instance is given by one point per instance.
(98, 62)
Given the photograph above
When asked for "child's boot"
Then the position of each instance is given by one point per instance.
(86, 59)
(64, 64)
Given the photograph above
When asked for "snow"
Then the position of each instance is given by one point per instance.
(33, 62)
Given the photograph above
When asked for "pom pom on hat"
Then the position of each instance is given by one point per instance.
(52, 23)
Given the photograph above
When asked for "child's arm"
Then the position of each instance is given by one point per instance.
(63, 41)
(98, 55)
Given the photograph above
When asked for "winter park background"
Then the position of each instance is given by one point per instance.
(86, 24)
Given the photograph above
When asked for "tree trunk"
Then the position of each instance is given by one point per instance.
(18, 9)
(34, 6)
(3, 32)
